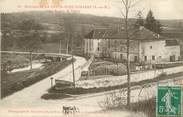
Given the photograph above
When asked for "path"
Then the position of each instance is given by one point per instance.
(31, 95)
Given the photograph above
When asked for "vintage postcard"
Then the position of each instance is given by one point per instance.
(91, 58)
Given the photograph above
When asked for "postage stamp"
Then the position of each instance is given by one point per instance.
(169, 101)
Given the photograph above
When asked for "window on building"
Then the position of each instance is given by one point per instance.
(109, 44)
(150, 47)
(135, 58)
(172, 58)
(98, 49)
(153, 57)
(171, 42)
(121, 49)
(145, 58)
(121, 56)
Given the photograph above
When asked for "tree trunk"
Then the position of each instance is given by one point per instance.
(67, 48)
(128, 59)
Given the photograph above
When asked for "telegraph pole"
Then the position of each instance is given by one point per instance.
(60, 47)
(73, 73)
(30, 60)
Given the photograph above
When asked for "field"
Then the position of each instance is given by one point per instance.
(103, 68)
(9, 62)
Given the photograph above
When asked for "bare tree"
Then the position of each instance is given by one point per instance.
(68, 30)
(70, 35)
(69, 27)
(127, 5)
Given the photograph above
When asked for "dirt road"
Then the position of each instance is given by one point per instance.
(27, 102)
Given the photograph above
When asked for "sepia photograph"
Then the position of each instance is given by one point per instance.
(91, 58)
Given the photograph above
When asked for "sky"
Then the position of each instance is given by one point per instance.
(162, 9)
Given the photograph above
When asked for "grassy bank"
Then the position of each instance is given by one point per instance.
(79, 90)
(147, 108)
(16, 81)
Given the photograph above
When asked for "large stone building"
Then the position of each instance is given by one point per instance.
(145, 45)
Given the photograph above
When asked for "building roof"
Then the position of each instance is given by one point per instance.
(141, 33)
(171, 43)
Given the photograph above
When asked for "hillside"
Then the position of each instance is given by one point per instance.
(55, 28)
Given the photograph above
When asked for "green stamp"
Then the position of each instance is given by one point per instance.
(168, 101)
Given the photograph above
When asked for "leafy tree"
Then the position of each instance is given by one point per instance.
(152, 24)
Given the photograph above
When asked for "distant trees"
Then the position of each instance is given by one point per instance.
(30, 40)
(6, 40)
(140, 20)
(69, 28)
(180, 24)
(150, 22)
(30, 24)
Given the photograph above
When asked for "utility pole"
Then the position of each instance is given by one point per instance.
(128, 52)
(73, 73)
(30, 60)
(60, 47)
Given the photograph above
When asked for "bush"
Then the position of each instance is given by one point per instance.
(109, 69)
(162, 66)
(17, 86)
(116, 99)
(146, 106)
(162, 74)
(48, 96)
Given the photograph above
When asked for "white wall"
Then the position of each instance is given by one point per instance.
(159, 49)
(135, 77)
(172, 50)
(117, 55)
(91, 46)
(161, 52)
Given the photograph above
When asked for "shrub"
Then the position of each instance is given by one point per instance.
(162, 74)
(109, 69)
(146, 106)
(48, 96)
(116, 99)
(17, 86)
